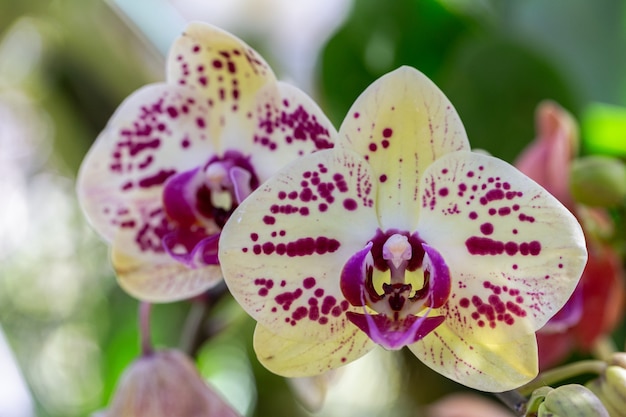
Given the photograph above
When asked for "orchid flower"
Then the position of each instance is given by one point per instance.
(595, 307)
(177, 157)
(401, 236)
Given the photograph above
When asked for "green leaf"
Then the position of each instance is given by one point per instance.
(604, 129)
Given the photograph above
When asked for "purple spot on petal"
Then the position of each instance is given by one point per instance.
(349, 204)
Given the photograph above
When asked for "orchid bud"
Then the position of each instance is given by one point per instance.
(598, 181)
(618, 359)
(610, 387)
(165, 384)
(565, 401)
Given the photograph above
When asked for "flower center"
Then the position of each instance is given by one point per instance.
(198, 203)
(396, 283)
(401, 279)
(221, 186)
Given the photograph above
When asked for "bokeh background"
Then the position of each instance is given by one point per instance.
(67, 331)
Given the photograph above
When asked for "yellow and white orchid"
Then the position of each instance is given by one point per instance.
(401, 236)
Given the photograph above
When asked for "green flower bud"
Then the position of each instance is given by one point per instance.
(610, 387)
(566, 401)
(598, 181)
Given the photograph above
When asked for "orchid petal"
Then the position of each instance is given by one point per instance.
(166, 281)
(288, 125)
(154, 136)
(225, 71)
(277, 122)
(148, 140)
(291, 358)
(283, 247)
(401, 124)
(514, 252)
(491, 367)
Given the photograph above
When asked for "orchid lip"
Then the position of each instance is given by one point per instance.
(198, 202)
(400, 312)
(192, 251)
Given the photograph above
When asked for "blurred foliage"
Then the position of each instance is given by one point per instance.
(74, 61)
(495, 60)
(604, 129)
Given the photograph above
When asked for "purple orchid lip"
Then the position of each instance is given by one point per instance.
(354, 276)
(392, 334)
(199, 201)
(198, 249)
(438, 277)
(396, 322)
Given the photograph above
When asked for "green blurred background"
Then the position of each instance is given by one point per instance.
(65, 65)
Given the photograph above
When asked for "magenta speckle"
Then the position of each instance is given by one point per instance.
(349, 204)
(484, 246)
(504, 211)
(308, 283)
(387, 132)
(173, 113)
(486, 228)
(534, 248)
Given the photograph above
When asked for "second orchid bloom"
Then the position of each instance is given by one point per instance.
(177, 157)
(400, 236)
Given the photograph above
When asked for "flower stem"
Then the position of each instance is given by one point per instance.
(192, 334)
(514, 400)
(144, 328)
(552, 376)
